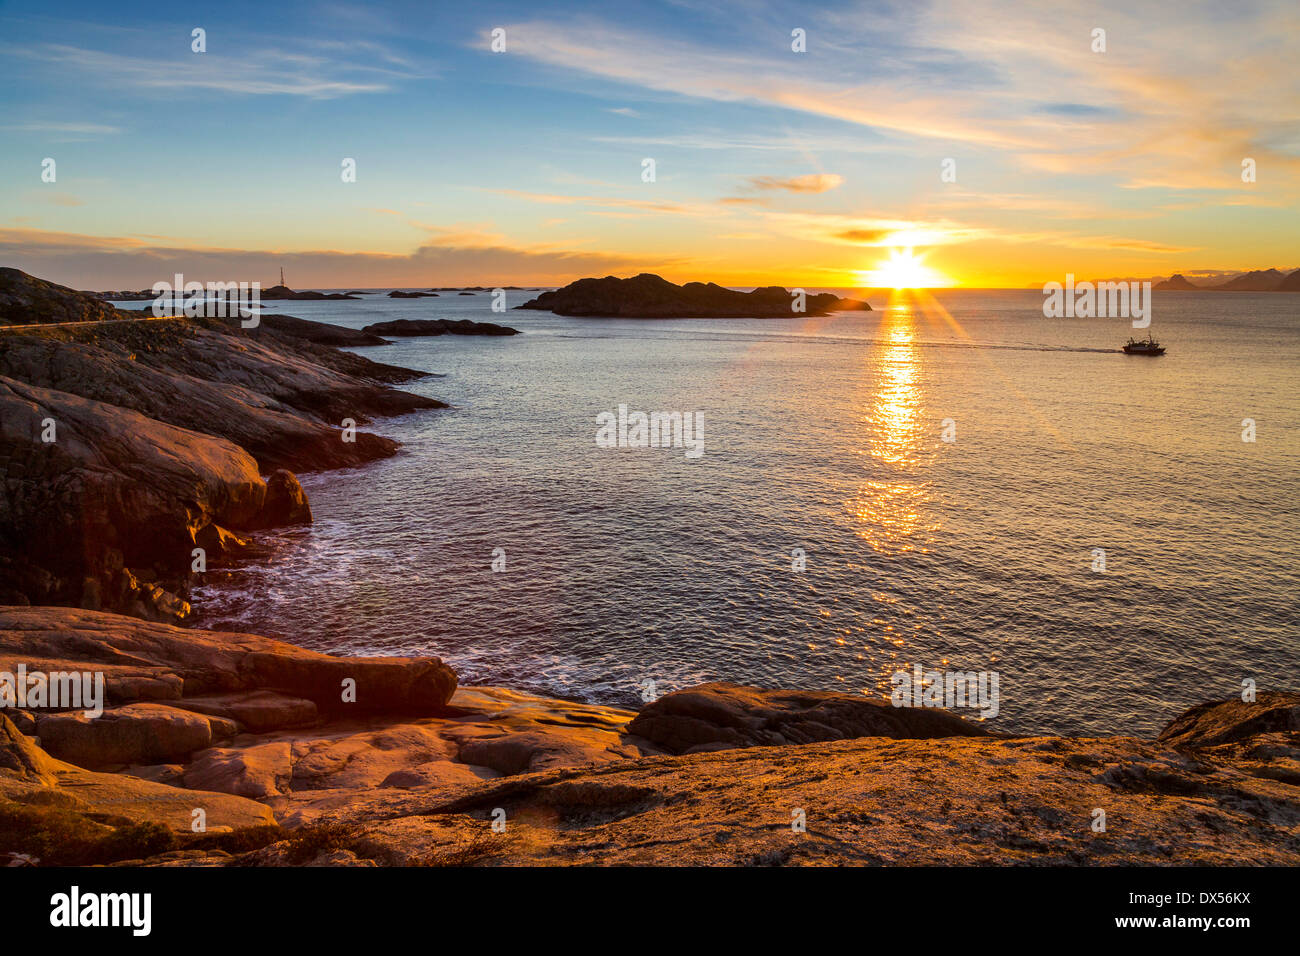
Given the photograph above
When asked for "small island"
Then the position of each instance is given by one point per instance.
(648, 296)
(284, 292)
(406, 327)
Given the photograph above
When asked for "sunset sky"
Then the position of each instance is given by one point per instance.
(525, 167)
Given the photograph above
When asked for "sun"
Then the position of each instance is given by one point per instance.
(902, 270)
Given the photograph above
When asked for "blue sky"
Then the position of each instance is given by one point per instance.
(524, 167)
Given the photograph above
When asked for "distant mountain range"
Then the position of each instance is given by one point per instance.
(1260, 280)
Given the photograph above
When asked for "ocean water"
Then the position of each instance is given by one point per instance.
(624, 566)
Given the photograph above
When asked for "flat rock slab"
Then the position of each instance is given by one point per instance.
(488, 732)
(135, 655)
(954, 801)
(256, 772)
(256, 712)
(144, 733)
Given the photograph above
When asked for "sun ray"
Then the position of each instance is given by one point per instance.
(931, 306)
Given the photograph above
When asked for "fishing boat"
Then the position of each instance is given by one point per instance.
(1148, 347)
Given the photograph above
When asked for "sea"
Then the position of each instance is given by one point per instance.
(952, 481)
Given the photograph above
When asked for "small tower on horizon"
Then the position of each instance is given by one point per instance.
(282, 276)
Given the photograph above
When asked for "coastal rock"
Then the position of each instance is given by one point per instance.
(412, 295)
(286, 502)
(133, 654)
(30, 776)
(255, 772)
(512, 733)
(217, 542)
(404, 327)
(27, 300)
(354, 758)
(484, 733)
(175, 374)
(171, 774)
(24, 720)
(144, 599)
(719, 715)
(128, 443)
(257, 712)
(114, 490)
(21, 759)
(338, 858)
(279, 382)
(975, 801)
(649, 296)
(320, 333)
(1229, 721)
(579, 788)
(277, 385)
(300, 772)
(317, 381)
(510, 754)
(141, 733)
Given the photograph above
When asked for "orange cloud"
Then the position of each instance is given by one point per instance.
(811, 183)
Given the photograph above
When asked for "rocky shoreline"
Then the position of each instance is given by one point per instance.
(176, 435)
(129, 443)
(291, 768)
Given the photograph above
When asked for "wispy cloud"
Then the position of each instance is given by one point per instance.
(61, 198)
(786, 141)
(1156, 110)
(669, 64)
(249, 71)
(811, 183)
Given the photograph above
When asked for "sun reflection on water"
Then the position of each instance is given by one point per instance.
(889, 506)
